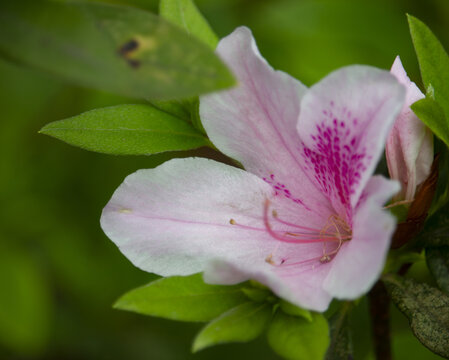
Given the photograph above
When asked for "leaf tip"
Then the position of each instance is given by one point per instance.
(198, 344)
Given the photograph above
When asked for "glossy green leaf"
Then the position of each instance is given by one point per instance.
(182, 298)
(240, 324)
(296, 338)
(433, 62)
(115, 48)
(186, 15)
(438, 263)
(340, 347)
(294, 310)
(432, 114)
(427, 310)
(127, 130)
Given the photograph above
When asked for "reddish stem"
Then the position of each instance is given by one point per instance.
(379, 306)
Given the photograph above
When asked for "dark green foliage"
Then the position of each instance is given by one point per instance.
(427, 310)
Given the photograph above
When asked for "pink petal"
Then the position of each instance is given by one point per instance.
(360, 261)
(344, 122)
(173, 219)
(255, 123)
(409, 149)
(303, 289)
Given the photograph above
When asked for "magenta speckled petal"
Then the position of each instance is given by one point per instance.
(255, 122)
(360, 261)
(343, 124)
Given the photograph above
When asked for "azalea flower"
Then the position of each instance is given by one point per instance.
(409, 149)
(306, 218)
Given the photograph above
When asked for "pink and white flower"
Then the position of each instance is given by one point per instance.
(305, 218)
(409, 148)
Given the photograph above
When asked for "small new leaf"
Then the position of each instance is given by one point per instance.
(127, 130)
(296, 338)
(240, 324)
(182, 298)
(438, 263)
(427, 310)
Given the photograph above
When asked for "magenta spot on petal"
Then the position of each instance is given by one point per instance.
(335, 157)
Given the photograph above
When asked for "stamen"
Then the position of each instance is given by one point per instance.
(397, 203)
(275, 216)
(269, 259)
(311, 238)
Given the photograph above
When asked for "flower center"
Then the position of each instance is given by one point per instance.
(333, 234)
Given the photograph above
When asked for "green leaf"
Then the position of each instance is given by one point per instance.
(186, 15)
(431, 114)
(427, 310)
(340, 347)
(295, 338)
(294, 310)
(433, 62)
(115, 48)
(258, 295)
(127, 130)
(240, 324)
(182, 298)
(195, 115)
(178, 108)
(438, 263)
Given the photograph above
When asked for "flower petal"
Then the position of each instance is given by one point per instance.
(173, 219)
(409, 149)
(360, 261)
(303, 289)
(343, 124)
(255, 123)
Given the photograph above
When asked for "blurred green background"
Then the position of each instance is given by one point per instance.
(59, 274)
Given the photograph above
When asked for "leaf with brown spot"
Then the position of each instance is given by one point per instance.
(119, 49)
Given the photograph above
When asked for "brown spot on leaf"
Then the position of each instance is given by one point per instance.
(127, 50)
(128, 47)
(133, 63)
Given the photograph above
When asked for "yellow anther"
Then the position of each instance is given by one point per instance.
(269, 259)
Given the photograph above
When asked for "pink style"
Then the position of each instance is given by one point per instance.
(305, 217)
